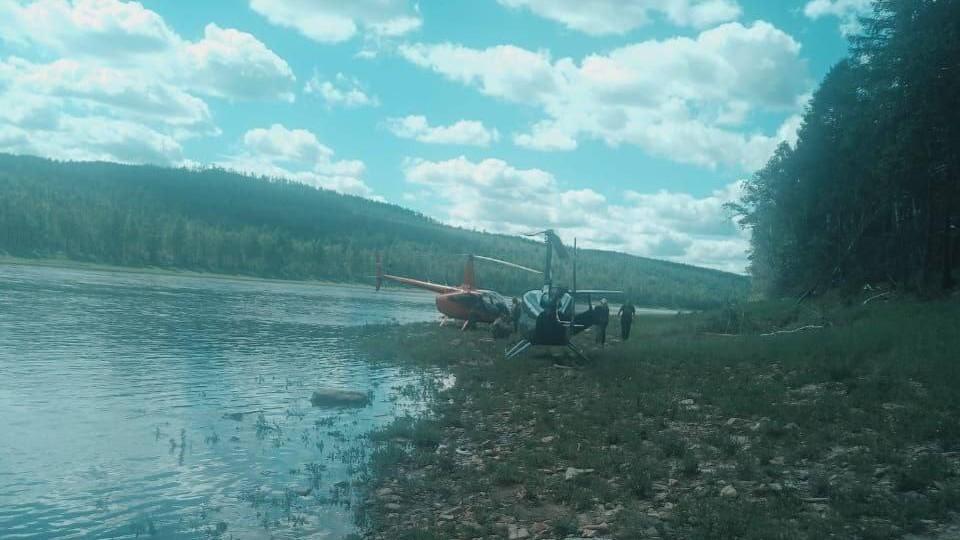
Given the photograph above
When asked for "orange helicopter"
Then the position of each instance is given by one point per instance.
(466, 302)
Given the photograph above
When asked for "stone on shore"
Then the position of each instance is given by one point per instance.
(573, 472)
(332, 397)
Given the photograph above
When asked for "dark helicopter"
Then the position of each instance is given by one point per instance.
(549, 315)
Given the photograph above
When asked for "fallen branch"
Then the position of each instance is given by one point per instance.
(808, 327)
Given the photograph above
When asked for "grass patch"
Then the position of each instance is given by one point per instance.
(845, 431)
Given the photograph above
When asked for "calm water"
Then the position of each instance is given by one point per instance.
(114, 389)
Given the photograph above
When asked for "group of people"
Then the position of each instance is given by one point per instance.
(601, 318)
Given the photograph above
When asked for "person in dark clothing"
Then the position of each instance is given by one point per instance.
(501, 327)
(601, 318)
(515, 314)
(626, 313)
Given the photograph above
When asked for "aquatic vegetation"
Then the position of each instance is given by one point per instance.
(143, 526)
(325, 421)
(181, 445)
(295, 410)
(316, 471)
(216, 531)
(212, 438)
(263, 428)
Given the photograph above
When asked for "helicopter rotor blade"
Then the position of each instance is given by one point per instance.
(507, 263)
(551, 237)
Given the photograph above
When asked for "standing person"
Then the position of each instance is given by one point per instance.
(501, 327)
(626, 313)
(601, 318)
(515, 314)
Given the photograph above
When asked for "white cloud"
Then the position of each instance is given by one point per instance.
(462, 132)
(503, 71)
(225, 63)
(847, 11)
(683, 211)
(297, 154)
(71, 110)
(110, 80)
(334, 21)
(343, 91)
(106, 90)
(92, 138)
(495, 196)
(602, 17)
(681, 98)
(546, 137)
(99, 28)
(107, 139)
(231, 64)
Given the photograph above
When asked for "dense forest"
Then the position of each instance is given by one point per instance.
(218, 221)
(869, 194)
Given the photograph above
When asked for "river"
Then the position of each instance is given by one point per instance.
(139, 404)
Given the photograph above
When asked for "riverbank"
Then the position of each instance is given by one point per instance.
(700, 426)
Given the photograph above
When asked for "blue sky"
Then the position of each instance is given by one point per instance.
(627, 123)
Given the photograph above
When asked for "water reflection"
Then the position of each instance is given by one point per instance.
(140, 403)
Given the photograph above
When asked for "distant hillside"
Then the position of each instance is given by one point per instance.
(218, 221)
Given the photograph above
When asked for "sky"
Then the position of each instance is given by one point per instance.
(624, 123)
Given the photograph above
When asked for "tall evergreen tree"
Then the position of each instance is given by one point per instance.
(870, 192)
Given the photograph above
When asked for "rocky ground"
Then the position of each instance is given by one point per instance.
(849, 431)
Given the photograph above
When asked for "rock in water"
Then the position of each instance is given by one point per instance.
(331, 397)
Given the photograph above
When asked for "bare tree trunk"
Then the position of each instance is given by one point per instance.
(947, 277)
(950, 199)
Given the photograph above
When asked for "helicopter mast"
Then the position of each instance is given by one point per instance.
(547, 274)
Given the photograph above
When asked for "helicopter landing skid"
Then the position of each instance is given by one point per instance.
(523, 345)
(577, 352)
(517, 349)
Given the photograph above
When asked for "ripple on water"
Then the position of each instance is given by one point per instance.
(118, 388)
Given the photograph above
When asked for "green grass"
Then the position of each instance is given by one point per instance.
(850, 430)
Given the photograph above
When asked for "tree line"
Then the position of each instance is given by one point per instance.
(218, 221)
(870, 193)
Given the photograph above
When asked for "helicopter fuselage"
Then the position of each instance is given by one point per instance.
(546, 315)
(476, 305)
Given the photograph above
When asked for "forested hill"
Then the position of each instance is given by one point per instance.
(217, 221)
(870, 194)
